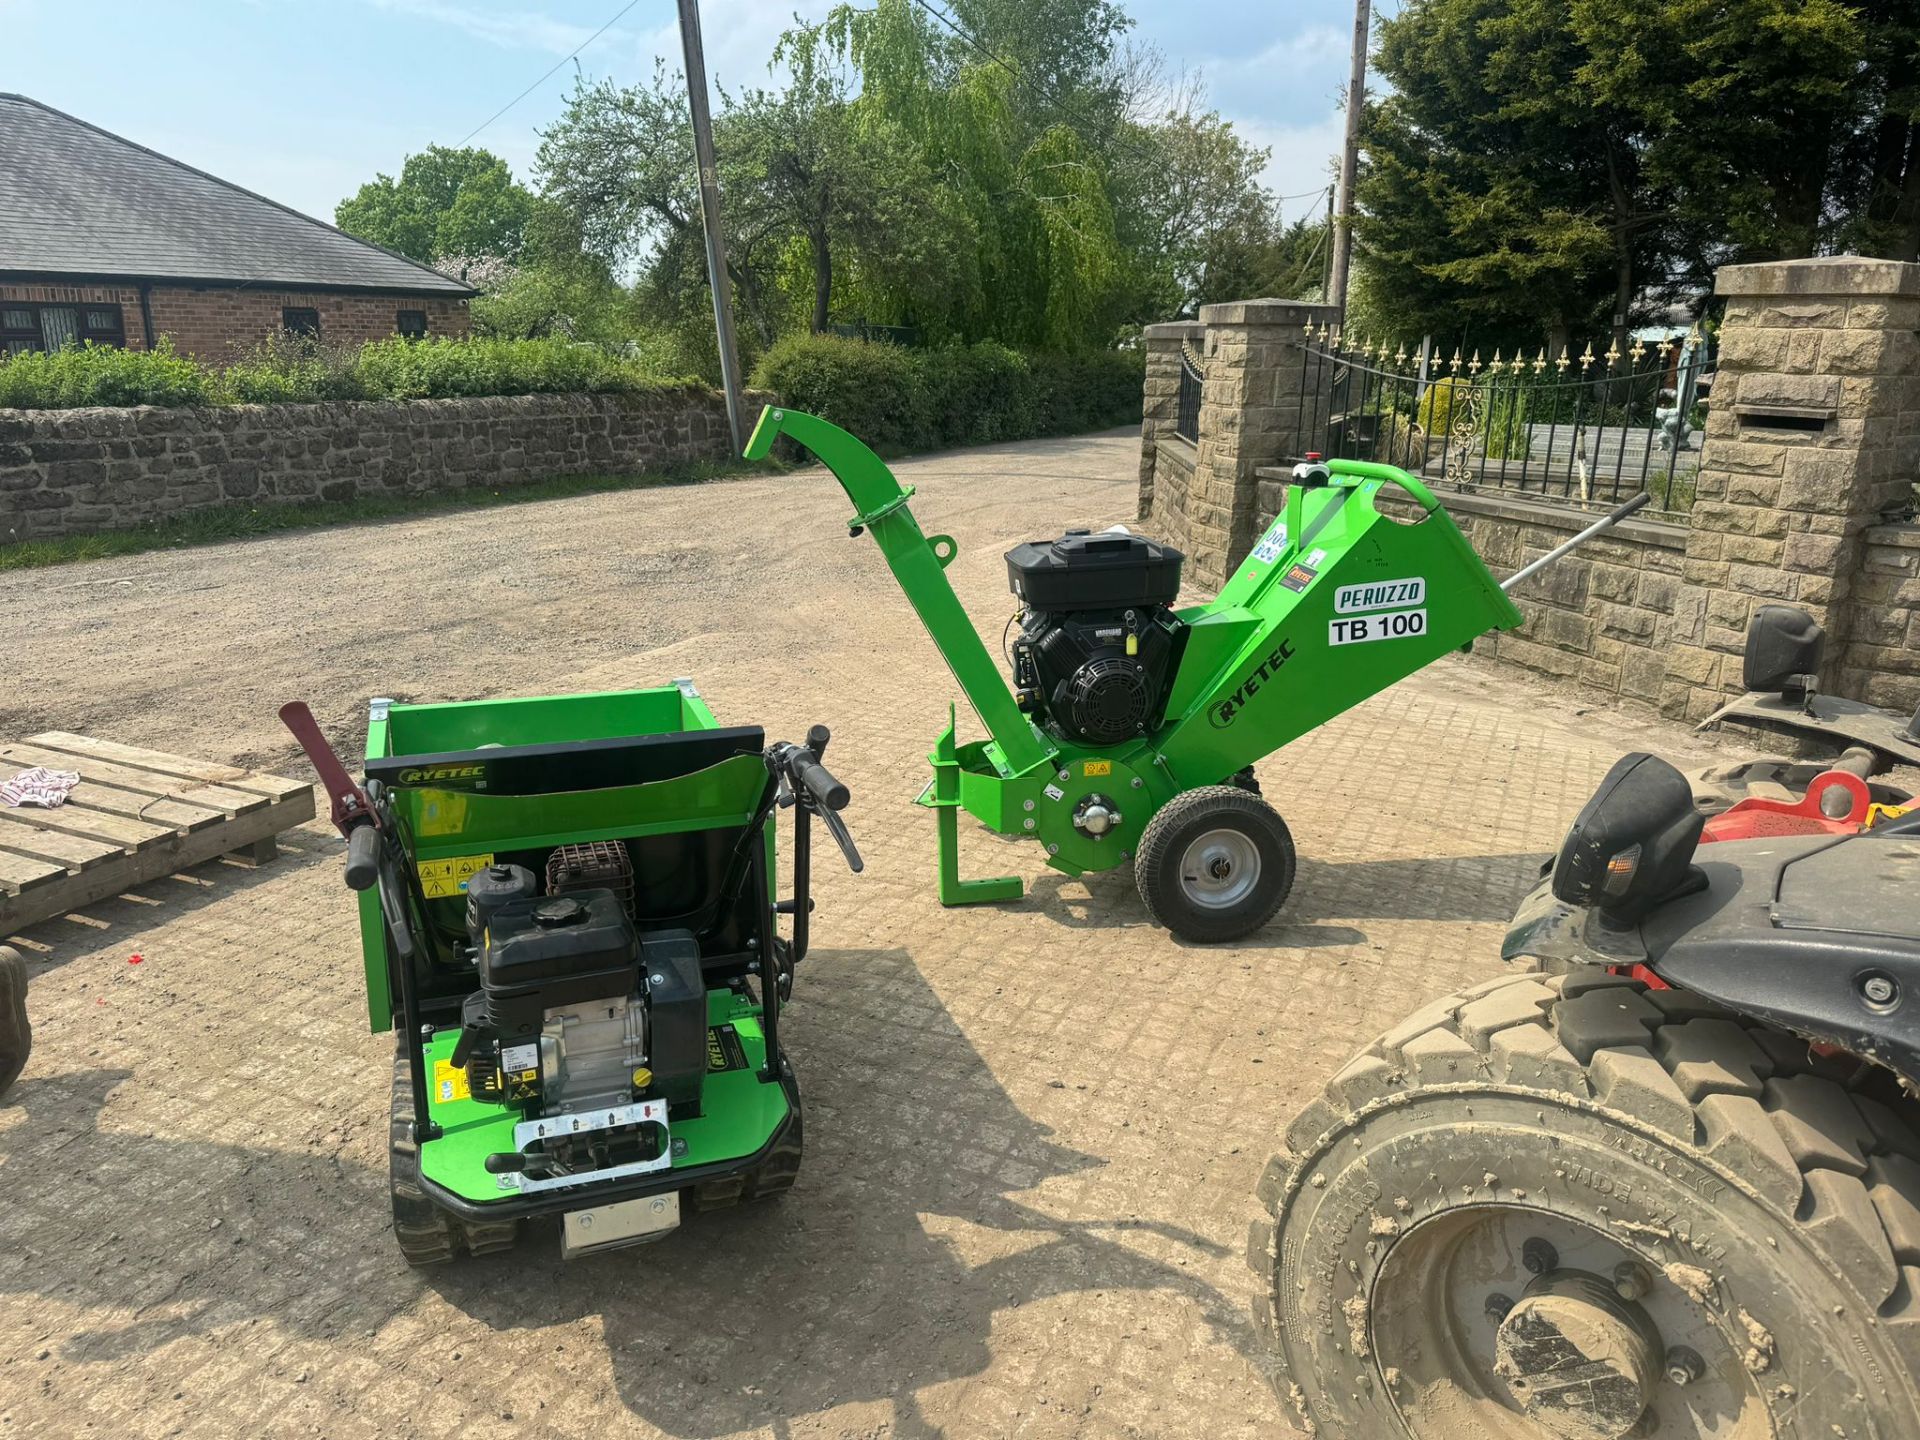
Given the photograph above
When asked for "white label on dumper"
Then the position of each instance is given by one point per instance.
(1398, 625)
(1379, 595)
(1268, 550)
(516, 1058)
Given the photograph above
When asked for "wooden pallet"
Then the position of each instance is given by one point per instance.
(136, 815)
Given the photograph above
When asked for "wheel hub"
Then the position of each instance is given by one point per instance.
(1220, 868)
(1580, 1361)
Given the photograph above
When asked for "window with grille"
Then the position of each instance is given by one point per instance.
(301, 321)
(28, 326)
(411, 323)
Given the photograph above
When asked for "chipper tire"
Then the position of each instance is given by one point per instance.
(16, 1035)
(1564, 1142)
(1214, 864)
(426, 1234)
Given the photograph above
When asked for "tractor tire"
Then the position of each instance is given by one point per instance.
(16, 1035)
(1214, 864)
(768, 1180)
(1570, 1208)
(426, 1234)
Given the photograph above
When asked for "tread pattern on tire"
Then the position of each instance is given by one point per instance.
(1153, 852)
(1819, 1141)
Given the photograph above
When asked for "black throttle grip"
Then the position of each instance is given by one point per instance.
(363, 857)
(819, 782)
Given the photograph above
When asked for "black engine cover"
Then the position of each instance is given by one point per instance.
(1098, 645)
(1084, 680)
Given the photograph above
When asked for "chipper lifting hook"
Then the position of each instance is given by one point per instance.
(1605, 522)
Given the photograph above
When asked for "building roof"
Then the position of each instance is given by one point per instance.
(77, 200)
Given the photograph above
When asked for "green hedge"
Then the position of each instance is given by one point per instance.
(293, 372)
(900, 400)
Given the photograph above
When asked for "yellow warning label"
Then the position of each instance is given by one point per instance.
(441, 878)
(449, 1082)
(1098, 767)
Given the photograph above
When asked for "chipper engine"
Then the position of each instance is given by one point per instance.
(567, 916)
(1132, 725)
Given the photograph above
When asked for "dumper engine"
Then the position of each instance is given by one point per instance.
(1099, 643)
(577, 1011)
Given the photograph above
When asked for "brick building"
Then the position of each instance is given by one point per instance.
(104, 240)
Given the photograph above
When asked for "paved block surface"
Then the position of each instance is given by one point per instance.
(1033, 1130)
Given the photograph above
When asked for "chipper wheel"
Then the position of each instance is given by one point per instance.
(1568, 1208)
(426, 1234)
(1214, 864)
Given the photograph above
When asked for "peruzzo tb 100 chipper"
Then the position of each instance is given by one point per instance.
(1132, 726)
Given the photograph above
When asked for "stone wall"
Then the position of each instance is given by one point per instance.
(1880, 661)
(66, 472)
(1813, 436)
(1812, 448)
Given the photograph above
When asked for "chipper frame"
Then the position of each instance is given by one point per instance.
(1337, 601)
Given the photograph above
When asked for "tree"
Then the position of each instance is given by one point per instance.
(1550, 164)
(446, 202)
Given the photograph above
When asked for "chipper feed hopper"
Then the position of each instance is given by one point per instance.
(1131, 728)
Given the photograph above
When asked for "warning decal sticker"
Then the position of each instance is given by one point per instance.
(1098, 767)
(442, 878)
(1299, 577)
(449, 1082)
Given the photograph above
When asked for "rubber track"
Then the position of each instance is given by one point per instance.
(773, 1177)
(1832, 1151)
(427, 1234)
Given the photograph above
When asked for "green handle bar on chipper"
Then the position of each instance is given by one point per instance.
(1337, 600)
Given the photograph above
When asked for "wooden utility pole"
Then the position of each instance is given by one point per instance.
(1350, 157)
(710, 214)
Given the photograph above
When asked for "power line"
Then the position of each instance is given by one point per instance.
(549, 75)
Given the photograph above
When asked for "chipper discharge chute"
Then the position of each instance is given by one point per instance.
(567, 917)
(1133, 724)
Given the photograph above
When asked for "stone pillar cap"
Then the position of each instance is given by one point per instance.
(1266, 312)
(1173, 330)
(1825, 275)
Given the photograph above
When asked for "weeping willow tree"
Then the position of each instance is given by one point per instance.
(1019, 184)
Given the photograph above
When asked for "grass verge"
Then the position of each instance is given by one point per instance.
(240, 522)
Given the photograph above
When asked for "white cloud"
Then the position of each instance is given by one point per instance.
(1301, 158)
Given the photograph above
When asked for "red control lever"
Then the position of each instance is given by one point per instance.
(351, 808)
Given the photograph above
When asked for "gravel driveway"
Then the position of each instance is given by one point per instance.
(1033, 1129)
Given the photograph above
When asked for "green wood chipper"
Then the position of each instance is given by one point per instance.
(567, 918)
(1131, 728)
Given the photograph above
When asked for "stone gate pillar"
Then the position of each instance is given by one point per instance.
(1160, 401)
(1250, 415)
(1813, 432)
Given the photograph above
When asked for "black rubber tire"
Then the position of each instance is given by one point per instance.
(768, 1180)
(426, 1234)
(1182, 820)
(16, 1035)
(1674, 1126)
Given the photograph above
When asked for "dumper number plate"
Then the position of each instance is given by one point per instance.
(1358, 629)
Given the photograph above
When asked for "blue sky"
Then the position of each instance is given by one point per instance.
(303, 102)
